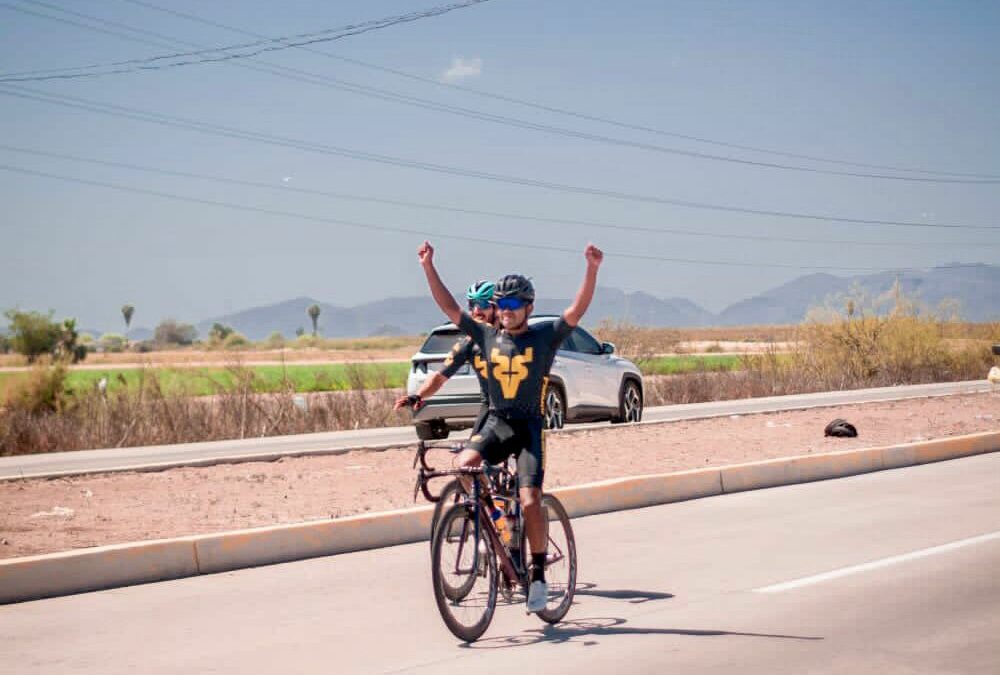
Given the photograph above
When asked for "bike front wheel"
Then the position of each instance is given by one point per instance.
(451, 494)
(560, 562)
(464, 574)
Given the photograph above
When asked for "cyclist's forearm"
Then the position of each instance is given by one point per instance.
(584, 296)
(432, 385)
(442, 296)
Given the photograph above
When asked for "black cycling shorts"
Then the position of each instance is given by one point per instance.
(499, 438)
(484, 411)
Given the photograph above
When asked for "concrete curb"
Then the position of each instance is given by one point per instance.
(283, 543)
(43, 576)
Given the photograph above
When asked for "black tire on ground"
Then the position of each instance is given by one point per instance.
(560, 574)
(435, 430)
(555, 407)
(630, 403)
(468, 616)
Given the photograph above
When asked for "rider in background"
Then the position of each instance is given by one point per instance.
(480, 300)
(519, 358)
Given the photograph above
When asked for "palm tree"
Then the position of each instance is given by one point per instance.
(313, 312)
(127, 312)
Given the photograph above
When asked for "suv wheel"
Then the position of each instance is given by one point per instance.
(629, 403)
(434, 430)
(555, 408)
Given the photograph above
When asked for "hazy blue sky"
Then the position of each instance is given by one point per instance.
(908, 84)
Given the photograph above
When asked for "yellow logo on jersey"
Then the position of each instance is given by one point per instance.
(510, 371)
(481, 366)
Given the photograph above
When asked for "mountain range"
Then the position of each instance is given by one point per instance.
(975, 289)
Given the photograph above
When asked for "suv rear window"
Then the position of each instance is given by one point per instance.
(441, 342)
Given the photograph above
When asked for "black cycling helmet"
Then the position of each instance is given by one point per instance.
(514, 286)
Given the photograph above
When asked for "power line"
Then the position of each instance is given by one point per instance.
(428, 233)
(478, 212)
(564, 111)
(395, 97)
(231, 132)
(224, 53)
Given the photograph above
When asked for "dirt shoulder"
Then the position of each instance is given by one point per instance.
(43, 516)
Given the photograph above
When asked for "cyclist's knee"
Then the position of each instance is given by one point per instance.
(531, 497)
(469, 457)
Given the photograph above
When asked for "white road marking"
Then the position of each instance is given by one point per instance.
(875, 564)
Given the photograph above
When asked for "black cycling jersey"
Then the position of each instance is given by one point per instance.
(466, 351)
(518, 365)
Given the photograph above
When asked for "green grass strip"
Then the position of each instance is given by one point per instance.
(675, 365)
(263, 379)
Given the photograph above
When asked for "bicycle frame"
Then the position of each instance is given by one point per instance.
(472, 502)
(482, 498)
(481, 504)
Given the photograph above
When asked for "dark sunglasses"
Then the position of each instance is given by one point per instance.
(511, 303)
(481, 304)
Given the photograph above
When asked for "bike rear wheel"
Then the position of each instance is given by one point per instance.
(461, 563)
(560, 564)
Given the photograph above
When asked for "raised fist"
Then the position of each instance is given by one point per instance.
(426, 253)
(594, 255)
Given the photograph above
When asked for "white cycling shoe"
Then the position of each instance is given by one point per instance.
(538, 595)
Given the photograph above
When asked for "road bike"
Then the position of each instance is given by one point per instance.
(479, 551)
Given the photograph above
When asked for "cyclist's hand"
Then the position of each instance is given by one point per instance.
(594, 255)
(413, 402)
(426, 253)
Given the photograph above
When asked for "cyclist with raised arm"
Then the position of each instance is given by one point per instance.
(519, 358)
(481, 308)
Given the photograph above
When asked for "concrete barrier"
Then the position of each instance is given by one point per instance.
(958, 446)
(282, 543)
(619, 494)
(800, 469)
(93, 569)
(42, 576)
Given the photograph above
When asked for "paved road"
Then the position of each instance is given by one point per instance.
(262, 449)
(674, 589)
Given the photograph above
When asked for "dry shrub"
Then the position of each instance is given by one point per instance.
(42, 390)
(766, 374)
(907, 345)
(145, 414)
(851, 351)
(635, 342)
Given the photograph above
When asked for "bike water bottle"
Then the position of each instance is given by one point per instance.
(500, 520)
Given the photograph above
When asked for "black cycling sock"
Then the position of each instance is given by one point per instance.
(538, 567)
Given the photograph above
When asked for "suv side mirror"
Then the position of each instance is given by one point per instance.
(609, 348)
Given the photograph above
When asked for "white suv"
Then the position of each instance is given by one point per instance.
(588, 383)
